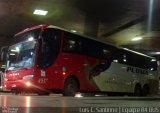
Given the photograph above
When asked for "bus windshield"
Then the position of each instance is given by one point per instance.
(21, 55)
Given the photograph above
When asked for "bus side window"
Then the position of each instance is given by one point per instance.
(69, 45)
(107, 53)
(79, 47)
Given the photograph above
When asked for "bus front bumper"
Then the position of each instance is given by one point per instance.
(23, 85)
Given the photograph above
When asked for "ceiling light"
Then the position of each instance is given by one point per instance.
(74, 31)
(40, 12)
(157, 53)
(153, 60)
(136, 38)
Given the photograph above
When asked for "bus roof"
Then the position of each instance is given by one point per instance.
(138, 53)
(118, 47)
(31, 28)
(85, 36)
(43, 26)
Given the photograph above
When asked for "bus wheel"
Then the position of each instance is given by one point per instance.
(137, 90)
(16, 91)
(145, 90)
(70, 87)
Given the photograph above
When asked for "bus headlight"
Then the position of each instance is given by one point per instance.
(28, 77)
(28, 84)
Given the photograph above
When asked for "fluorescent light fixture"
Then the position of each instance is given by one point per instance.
(136, 38)
(40, 12)
(74, 31)
(157, 53)
(115, 60)
(153, 60)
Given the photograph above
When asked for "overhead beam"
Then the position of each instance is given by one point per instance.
(125, 26)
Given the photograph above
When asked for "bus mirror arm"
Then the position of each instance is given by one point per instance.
(3, 53)
(1, 56)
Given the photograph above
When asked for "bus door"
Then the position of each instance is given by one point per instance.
(49, 46)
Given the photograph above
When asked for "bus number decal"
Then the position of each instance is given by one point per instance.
(42, 80)
(43, 73)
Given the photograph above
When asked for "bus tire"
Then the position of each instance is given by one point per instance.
(145, 90)
(70, 87)
(16, 91)
(137, 90)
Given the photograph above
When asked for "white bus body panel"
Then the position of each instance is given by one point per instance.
(119, 79)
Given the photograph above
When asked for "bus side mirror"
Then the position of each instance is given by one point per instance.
(3, 53)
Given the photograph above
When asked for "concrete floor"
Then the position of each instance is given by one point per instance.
(57, 104)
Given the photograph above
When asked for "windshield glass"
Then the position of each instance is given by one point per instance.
(21, 55)
(28, 35)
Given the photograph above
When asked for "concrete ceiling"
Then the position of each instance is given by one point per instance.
(115, 21)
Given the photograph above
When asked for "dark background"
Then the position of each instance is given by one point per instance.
(114, 21)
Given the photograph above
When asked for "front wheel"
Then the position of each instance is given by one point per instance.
(70, 87)
(16, 91)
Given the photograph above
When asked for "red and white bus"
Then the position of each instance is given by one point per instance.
(46, 59)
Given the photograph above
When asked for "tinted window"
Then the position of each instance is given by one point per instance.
(69, 45)
(49, 47)
(24, 36)
(81, 45)
(72, 43)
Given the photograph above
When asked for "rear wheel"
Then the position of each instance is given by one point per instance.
(137, 90)
(145, 90)
(70, 87)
